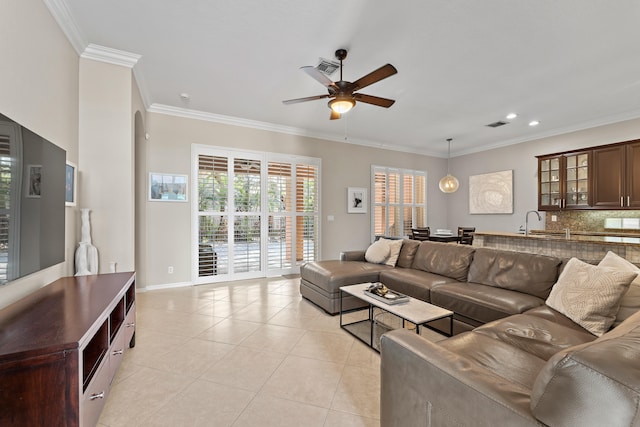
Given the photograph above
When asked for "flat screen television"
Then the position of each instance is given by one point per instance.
(32, 201)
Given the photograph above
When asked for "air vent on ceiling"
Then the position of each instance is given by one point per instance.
(497, 124)
(327, 67)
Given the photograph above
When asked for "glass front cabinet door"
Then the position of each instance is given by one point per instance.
(576, 182)
(549, 176)
(563, 181)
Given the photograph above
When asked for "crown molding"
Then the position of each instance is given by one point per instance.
(110, 55)
(61, 13)
(590, 124)
(271, 127)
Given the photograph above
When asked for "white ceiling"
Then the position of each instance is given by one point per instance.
(571, 64)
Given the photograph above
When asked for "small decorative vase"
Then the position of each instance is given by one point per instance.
(86, 254)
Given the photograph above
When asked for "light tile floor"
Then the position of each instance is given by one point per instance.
(248, 353)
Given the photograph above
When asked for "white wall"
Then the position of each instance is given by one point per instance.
(343, 165)
(106, 160)
(521, 158)
(39, 87)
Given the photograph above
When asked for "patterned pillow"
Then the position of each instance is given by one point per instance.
(589, 295)
(631, 300)
(378, 252)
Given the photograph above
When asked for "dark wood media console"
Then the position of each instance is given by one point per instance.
(60, 348)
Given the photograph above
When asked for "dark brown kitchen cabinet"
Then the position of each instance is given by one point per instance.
(633, 174)
(616, 180)
(602, 177)
(563, 181)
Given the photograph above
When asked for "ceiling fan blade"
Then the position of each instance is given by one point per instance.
(334, 115)
(375, 76)
(317, 75)
(374, 100)
(308, 98)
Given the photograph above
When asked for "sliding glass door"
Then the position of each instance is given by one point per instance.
(256, 214)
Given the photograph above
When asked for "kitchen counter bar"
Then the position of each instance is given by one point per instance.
(578, 236)
(590, 248)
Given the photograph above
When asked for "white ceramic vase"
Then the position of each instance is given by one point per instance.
(86, 254)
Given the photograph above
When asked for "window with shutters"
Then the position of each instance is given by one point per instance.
(5, 204)
(10, 151)
(257, 213)
(399, 201)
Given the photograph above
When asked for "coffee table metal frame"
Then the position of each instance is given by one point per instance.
(417, 312)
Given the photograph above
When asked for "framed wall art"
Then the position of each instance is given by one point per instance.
(165, 187)
(356, 200)
(70, 187)
(34, 181)
(491, 193)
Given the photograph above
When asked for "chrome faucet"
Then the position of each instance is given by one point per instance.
(526, 221)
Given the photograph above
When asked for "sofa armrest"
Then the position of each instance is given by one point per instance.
(423, 383)
(352, 256)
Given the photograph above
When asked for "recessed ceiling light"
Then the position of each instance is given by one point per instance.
(534, 123)
(511, 116)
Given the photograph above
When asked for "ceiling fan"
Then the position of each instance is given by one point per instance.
(342, 93)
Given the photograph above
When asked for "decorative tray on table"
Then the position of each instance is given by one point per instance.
(382, 293)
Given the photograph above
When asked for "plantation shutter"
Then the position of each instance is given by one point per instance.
(307, 214)
(399, 201)
(280, 200)
(247, 216)
(213, 257)
(6, 166)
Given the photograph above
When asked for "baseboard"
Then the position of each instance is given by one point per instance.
(166, 286)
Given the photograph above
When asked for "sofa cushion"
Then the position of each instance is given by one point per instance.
(444, 259)
(502, 359)
(535, 335)
(528, 273)
(329, 275)
(548, 313)
(482, 303)
(415, 283)
(601, 378)
(589, 295)
(378, 252)
(631, 300)
(407, 253)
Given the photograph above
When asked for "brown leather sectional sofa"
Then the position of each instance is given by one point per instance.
(519, 363)
(478, 284)
(532, 369)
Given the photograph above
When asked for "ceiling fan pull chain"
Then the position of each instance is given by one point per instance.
(346, 136)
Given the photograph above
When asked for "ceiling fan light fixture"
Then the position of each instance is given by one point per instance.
(341, 105)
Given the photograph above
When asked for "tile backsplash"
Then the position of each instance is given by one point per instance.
(586, 220)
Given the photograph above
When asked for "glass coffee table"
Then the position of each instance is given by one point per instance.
(369, 323)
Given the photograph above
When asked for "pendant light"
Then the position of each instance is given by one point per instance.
(449, 183)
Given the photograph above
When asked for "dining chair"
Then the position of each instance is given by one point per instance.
(465, 235)
(421, 233)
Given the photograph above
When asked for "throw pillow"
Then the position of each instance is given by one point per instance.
(394, 252)
(378, 252)
(589, 295)
(631, 300)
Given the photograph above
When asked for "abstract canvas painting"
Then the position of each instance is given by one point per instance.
(491, 193)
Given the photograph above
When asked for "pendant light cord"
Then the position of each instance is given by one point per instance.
(449, 154)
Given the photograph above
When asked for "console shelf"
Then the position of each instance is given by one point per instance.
(60, 348)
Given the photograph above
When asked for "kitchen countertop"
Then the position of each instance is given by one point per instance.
(577, 236)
